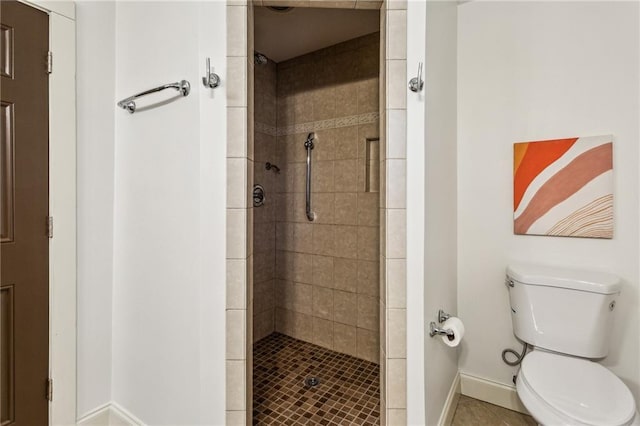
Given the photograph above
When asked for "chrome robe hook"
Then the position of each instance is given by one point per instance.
(416, 83)
(211, 79)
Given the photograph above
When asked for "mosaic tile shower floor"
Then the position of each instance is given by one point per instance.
(348, 393)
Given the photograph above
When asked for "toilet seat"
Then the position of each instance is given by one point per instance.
(559, 389)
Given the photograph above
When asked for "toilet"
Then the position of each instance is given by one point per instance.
(566, 315)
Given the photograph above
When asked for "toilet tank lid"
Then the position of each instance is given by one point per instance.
(554, 276)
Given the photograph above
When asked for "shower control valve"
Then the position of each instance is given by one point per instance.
(258, 195)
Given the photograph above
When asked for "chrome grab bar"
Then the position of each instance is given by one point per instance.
(128, 104)
(308, 144)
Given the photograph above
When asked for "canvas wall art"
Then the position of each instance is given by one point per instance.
(564, 187)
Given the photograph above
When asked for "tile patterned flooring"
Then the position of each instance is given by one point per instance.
(472, 412)
(348, 393)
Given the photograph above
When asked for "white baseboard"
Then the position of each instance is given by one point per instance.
(449, 409)
(491, 392)
(109, 414)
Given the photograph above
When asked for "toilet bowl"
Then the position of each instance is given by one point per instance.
(563, 390)
(567, 316)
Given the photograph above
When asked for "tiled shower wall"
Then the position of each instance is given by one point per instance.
(327, 271)
(264, 218)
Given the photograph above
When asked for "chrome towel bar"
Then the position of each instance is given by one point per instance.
(129, 104)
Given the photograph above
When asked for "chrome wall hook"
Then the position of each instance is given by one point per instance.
(416, 83)
(211, 79)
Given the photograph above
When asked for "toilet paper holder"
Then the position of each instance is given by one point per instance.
(434, 330)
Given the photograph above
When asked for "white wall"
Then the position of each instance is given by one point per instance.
(534, 71)
(440, 198)
(95, 158)
(152, 290)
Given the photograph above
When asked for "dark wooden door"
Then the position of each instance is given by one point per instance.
(24, 247)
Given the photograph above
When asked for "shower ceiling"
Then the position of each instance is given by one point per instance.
(281, 36)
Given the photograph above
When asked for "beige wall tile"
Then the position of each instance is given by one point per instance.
(236, 418)
(345, 307)
(396, 84)
(396, 283)
(323, 302)
(303, 298)
(325, 144)
(345, 274)
(235, 336)
(322, 179)
(346, 175)
(303, 107)
(346, 208)
(346, 142)
(396, 383)
(263, 325)
(368, 278)
(236, 183)
(323, 271)
(236, 233)
(324, 240)
(236, 385)
(397, 333)
(302, 267)
(346, 100)
(368, 98)
(324, 103)
(264, 296)
(303, 327)
(236, 282)
(236, 81)
(368, 243)
(368, 210)
(323, 205)
(284, 236)
(237, 132)
(396, 240)
(323, 333)
(396, 184)
(303, 237)
(368, 312)
(264, 265)
(396, 133)
(396, 4)
(346, 241)
(237, 40)
(345, 88)
(397, 34)
(344, 339)
(397, 416)
(264, 237)
(368, 345)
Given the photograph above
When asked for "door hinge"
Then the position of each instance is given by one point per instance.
(50, 226)
(49, 389)
(49, 62)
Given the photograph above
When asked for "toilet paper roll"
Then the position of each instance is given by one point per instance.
(454, 324)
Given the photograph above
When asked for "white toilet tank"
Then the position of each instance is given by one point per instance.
(563, 310)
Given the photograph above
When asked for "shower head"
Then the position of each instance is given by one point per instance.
(259, 58)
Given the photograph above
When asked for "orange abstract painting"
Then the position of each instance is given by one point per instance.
(564, 187)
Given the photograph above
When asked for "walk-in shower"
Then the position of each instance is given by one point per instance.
(316, 227)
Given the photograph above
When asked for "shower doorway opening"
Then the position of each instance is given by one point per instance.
(319, 213)
(316, 229)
